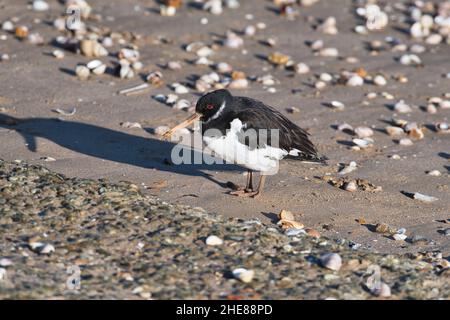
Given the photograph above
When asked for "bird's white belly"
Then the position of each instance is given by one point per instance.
(231, 150)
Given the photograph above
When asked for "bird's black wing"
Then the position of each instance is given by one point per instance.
(256, 115)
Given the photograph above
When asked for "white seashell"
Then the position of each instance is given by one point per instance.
(131, 125)
(329, 52)
(238, 84)
(66, 112)
(82, 72)
(332, 261)
(204, 52)
(328, 26)
(223, 67)
(417, 48)
(337, 105)
(250, 31)
(213, 6)
(232, 4)
(351, 186)
(129, 54)
(40, 5)
(174, 65)
(317, 45)
(379, 80)
(301, 68)
(402, 107)
(431, 108)
(434, 39)
(91, 48)
(444, 104)
(423, 197)
(5, 262)
(107, 42)
(410, 59)
(355, 81)
(214, 241)
(320, 85)
(47, 249)
(363, 143)
(171, 99)
(233, 41)
(345, 126)
(167, 11)
(361, 29)
(8, 26)
(179, 88)
(352, 166)
(426, 21)
(182, 104)
(434, 173)
(371, 95)
(405, 142)
(243, 274)
(126, 72)
(363, 132)
(58, 54)
(94, 64)
(2, 274)
(394, 131)
(399, 237)
(326, 77)
(202, 86)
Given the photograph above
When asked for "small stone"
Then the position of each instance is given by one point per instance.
(213, 241)
(332, 261)
(243, 274)
(383, 291)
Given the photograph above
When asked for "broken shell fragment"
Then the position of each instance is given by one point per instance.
(434, 173)
(290, 224)
(58, 54)
(363, 132)
(286, 215)
(179, 88)
(82, 72)
(332, 261)
(402, 107)
(243, 274)
(278, 58)
(423, 197)
(91, 48)
(352, 166)
(213, 241)
(301, 68)
(337, 105)
(155, 78)
(96, 67)
(394, 131)
(363, 143)
(351, 186)
(410, 59)
(405, 142)
(125, 70)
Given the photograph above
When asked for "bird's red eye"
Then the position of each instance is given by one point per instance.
(209, 107)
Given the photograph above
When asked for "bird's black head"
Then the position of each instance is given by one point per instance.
(213, 104)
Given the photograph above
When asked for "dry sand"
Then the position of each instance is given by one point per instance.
(92, 143)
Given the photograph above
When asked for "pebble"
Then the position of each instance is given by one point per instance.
(243, 274)
(213, 241)
(332, 261)
(383, 291)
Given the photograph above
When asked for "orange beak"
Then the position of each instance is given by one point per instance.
(184, 124)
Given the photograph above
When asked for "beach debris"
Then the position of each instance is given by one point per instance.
(301, 68)
(96, 67)
(442, 127)
(434, 173)
(394, 131)
(345, 182)
(47, 159)
(179, 88)
(91, 48)
(376, 19)
(125, 69)
(286, 215)
(40, 247)
(290, 224)
(405, 142)
(58, 54)
(352, 166)
(363, 132)
(278, 59)
(363, 143)
(337, 105)
(332, 261)
(174, 65)
(21, 32)
(312, 233)
(213, 241)
(40, 5)
(66, 112)
(244, 275)
(328, 26)
(130, 125)
(410, 60)
(8, 26)
(135, 90)
(233, 40)
(402, 107)
(82, 72)
(423, 197)
(155, 78)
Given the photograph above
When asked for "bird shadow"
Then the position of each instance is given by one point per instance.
(116, 146)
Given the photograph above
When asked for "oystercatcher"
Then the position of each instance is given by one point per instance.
(248, 132)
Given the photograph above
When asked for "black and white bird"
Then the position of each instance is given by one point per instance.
(227, 122)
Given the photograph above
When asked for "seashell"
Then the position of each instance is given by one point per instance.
(243, 274)
(402, 107)
(434, 39)
(405, 142)
(363, 132)
(155, 78)
(238, 84)
(301, 68)
(97, 67)
(363, 143)
(267, 80)
(352, 166)
(213, 6)
(293, 110)
(326, 77)
(394, 131)
(434, 173)
(345, 127)
(328, 26)
(320, 85)
(128, 54)
(431, 108)
(91, 48)
(329, 52)
(351, 186)
(131, 125)
(332, 261)
(250, 31)
(337, 105)
(171, 99)
(317, 45)
(202, 86)
(125, 71)
(232, 4)
(40, 5)
(444, 104)
(21, 32)
(371, 95)
(355, 81)
(58, 54)
(233, 41)
(82, 72)
(379, 80)
(423, 197)
(360, 29)
(47, 249)
(286, 215)
(179, 88)
(442, 127)
(223, 67)
(174, 65)
(182, 104)
(107, 42)
(8, 26)
(410, 59)
(81, 5)
(416, 133)
(278, 58)
(167, 11)
(5, 262)
(290, 224)
(395, 157)
(36, 39)
(213, 241)
(204, 52)
(137, 65)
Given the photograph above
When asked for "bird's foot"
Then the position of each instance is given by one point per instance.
(245, 193)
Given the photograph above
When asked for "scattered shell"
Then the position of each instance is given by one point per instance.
(337, 105)
(82, 72)
(352, 166)
(91, 48)
(161, 130)
(182, 104)
(125, 70)
(379, 80)
(174, 65)
(351, 186)
(213, 6)
(328, 26)
(238, 84)
(423, 197)
(278, 58)
(442, 127)
(312, 233)
(21, 32)
(130, 125)
(329, 52)
(66, 113)
(363, 143)
(405, 142)
(363, 132)
(293, 110)
(40, 5)
(394, 131)
(332, 261)
(410, 59)
(434, 173)
(301, 68)
(214, 241)
(131, 55)
(8, 26)
(286, 215)
(155, 78)
(355, 81)
(243, 274)
(96, 67)
(223, 67)
(2, 274)
(416, 133)
(41, 248)
(290, 224)
(233, 41)
(402, 107)
(399, 237)
(179, 88)
(5, 262)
